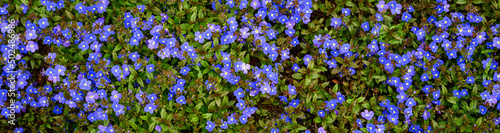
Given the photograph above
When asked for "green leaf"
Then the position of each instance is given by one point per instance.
(452, 100)
(195, 119)
(461, 2)
(193, 17)
(206, 115)
(144, 117)
(297, 76)
(361, 99)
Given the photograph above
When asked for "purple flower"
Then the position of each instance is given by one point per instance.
(426, 115)
(158, 128)
(265, 88)
(32, 46)
(115, 96)
(91, 97)
(31, 34)
(381, 6)
(496, 42)
(321, 130)
(199, 37)
(152, 44)
(367, 114)
(255, 4)
(307, 58)
(60, 70)
(244, 32)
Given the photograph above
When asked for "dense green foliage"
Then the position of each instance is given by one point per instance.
(250, 66)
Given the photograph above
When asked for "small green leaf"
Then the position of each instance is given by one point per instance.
(207, 115)
(297, 76)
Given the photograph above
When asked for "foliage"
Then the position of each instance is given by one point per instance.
(258, 66)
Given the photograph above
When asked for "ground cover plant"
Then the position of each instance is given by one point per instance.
(249, 66)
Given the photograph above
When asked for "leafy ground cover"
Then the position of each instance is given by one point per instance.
(249, 66)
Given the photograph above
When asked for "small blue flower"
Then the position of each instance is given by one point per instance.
(335, 22)
(346, 11)
(410, 102)
(210, 126)
(365, 26)
(43, 23)
(184, 71)
(406, 17)
(321, 113)
(150, 68)
(470, 80)
(482, 109)
(181, 100)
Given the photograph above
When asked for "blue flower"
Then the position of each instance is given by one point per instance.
(335, 22)
(294, 103)
(464, 92)
(406, 17)
(470, 80)
(18, 130)
(346, 11)
(150, 68)
(370, 128)
(452, 54)
(57, 110)
(181, 100)
(365, 26)
(482, 109)
(345, 48)
(290, 32)
(85, 84)
(330, 105)
(243, 4)
(307, 58)
(243, 119)
(436, 94)
(410, 102)
(393, 118)
(210, 126)
(373, 46)
(421, 34)
(184, 71)
(239, 93)
(321, 113)
(43, 23)
(275, 130)
(134, 56)
(379, 17)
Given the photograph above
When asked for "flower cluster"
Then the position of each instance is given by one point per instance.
(259, 65)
